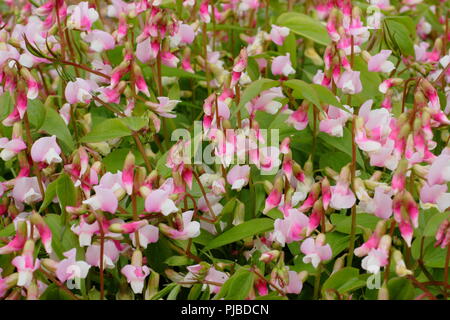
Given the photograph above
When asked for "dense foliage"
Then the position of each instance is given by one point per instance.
(224, 149)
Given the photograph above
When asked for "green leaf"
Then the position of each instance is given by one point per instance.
(370, 82)
(6, 105)
(433, 257)
(36, 113)
(305, 26)
(343, 144)
(66, 192)
(174, 292)
(241, 286)
(400, 289)
(343, 223)
(134, 123)
(433, 224)
(55, 125)
(114, 161)
(195, 291)
(406, 21)
(50, 194)
(244, 230)
(53, 292)
(178, 261)
(326, 96)
(8, 230)
(344, 280)
(164, 291)
(305, 91)
(398, 36)
(338, 242)
(108, 129)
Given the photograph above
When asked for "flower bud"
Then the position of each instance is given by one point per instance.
(269, 256)
(339, 264)
(400, 267)
(152, 285)
(383, 293)
(239, 214)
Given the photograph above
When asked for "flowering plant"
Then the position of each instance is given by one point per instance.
(212, 149)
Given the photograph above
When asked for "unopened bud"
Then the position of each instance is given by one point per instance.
(383, 293)
(269, 256)
(152, 285)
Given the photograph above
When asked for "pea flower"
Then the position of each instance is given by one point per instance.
(81, 16)
(281, 65)
(315, 250)
(70, 268)
(187, 228)
(46, 150)
(26, 264)
(278, 34)
(238, 176)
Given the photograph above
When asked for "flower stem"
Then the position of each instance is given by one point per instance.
(317, 282)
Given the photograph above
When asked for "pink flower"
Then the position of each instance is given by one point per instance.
(136, 276)
(26, 264)
(104, 200)
(212, 275)
(294, 284)
(439, 172)
(69, 268)
(110, 257)
(376, 259)
(11, 148)
(273, 200)
(80, 91)
(85, 231)
(27, 190)
(189, 229)
(266, 101)
(281, 65)
(18, 242)
(169, 59)
(350, 82)
(81, 16)
(291, 228)
(128, 173)
(298, 119)
(435, 195)
(367, 246)
(278, 34)
(335, 121)
(315, 251)
(100, 40)
(238, 176)
(159, 201)
(406, 214)
(185, 35)
(265, 158)
(342, 197)
(147, 50)
(383, 203)
(164, 107)
(46, 150)
(380, 62)
(147, 234)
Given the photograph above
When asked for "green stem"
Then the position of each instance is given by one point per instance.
(317, 282)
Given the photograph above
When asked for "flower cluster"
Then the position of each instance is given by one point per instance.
(326, 123)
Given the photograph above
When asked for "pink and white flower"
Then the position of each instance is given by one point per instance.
(46, 150)
(315, 251)
(282, 66)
